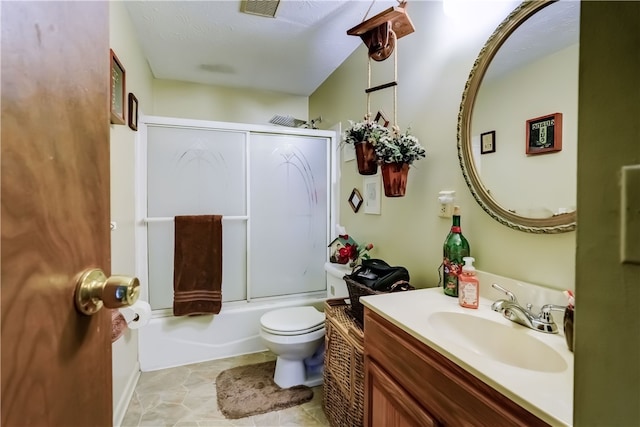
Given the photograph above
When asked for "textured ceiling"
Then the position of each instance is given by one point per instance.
(213, 42)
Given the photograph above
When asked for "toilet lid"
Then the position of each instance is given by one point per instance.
(292, 320)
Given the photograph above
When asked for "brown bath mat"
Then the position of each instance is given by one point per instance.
(249, 390)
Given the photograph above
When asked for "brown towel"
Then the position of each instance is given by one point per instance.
(197, 266)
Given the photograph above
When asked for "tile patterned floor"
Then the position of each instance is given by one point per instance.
(186, 397)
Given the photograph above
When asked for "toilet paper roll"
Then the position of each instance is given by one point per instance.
(137, 315)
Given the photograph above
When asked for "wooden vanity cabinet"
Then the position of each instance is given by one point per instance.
(409, 384)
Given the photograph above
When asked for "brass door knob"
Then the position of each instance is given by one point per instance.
(94, 290)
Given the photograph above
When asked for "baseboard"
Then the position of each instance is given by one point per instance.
(120, 408)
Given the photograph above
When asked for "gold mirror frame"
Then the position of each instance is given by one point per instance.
(555, 224)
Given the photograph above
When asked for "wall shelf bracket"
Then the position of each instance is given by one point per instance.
(379, 33)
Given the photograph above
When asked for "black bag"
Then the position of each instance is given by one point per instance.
(376, 274)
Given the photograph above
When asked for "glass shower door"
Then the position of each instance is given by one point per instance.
(195, 171)
(289, 216)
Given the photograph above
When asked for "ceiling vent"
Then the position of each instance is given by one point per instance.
(266, 8)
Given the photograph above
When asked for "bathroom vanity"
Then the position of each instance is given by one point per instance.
(429, 362)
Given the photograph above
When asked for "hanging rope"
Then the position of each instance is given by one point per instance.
(396, 128)
(368, 110)
(392, 33)
(367, 116)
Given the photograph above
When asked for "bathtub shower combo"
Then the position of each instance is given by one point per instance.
(273, 187)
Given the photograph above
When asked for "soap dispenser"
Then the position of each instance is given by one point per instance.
(468, 285)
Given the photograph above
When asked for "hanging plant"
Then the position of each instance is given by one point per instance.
(365, 136)
(365, 131)
(395, 156)
(400, 148)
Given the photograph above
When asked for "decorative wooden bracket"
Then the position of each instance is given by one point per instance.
(380, 32)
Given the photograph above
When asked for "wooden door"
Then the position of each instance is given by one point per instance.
(56, 363)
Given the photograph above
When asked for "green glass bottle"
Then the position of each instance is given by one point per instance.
(454, 249)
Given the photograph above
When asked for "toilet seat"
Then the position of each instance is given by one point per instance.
(292, 321)
(292, 333)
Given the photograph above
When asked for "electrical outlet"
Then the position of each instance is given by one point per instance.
(446, 199)
(446, 210)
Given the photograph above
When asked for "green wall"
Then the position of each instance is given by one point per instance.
(433, 68)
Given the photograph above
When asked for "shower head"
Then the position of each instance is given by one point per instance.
(292, 122)
(286, 121)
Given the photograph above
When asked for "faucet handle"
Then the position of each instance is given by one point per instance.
(545, 311)
(507, 292)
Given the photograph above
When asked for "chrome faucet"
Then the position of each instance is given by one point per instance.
(513, 311)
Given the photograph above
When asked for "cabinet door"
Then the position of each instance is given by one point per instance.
(388, 404)
(451, 395)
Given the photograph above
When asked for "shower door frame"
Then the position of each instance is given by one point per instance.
(141, 190)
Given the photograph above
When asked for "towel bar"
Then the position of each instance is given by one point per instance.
(170, 218)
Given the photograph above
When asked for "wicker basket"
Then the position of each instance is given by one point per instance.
(343, 402)
(357, 290)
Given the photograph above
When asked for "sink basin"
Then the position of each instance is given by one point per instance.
(508, 344)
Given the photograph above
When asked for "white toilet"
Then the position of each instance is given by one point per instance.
(296, 333)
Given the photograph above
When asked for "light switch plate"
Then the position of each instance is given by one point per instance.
(630, 215)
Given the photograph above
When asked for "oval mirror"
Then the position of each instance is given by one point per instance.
(517, 127)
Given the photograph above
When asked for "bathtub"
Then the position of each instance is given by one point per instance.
(168, 341)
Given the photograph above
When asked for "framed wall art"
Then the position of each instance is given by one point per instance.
(348, 153)
(371, 188)
(544, 134)
(488, 142)
(355, 200)
(133, 112)
(381, 119)
(118, 90)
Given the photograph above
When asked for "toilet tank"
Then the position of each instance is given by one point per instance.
(336, 286)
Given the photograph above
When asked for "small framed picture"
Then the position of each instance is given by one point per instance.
(355, 200)
(133, 111)
(381, 119)
(544, 134)
(371, 187)
(488, 142)
(118, 90)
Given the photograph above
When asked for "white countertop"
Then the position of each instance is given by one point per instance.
(548, 395)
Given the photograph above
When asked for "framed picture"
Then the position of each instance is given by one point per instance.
(355, 200)
(133, 111)
(488, 142)
(118, 90)
(371, 187)
(381, 119)
(348, 152)
(544, 134)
